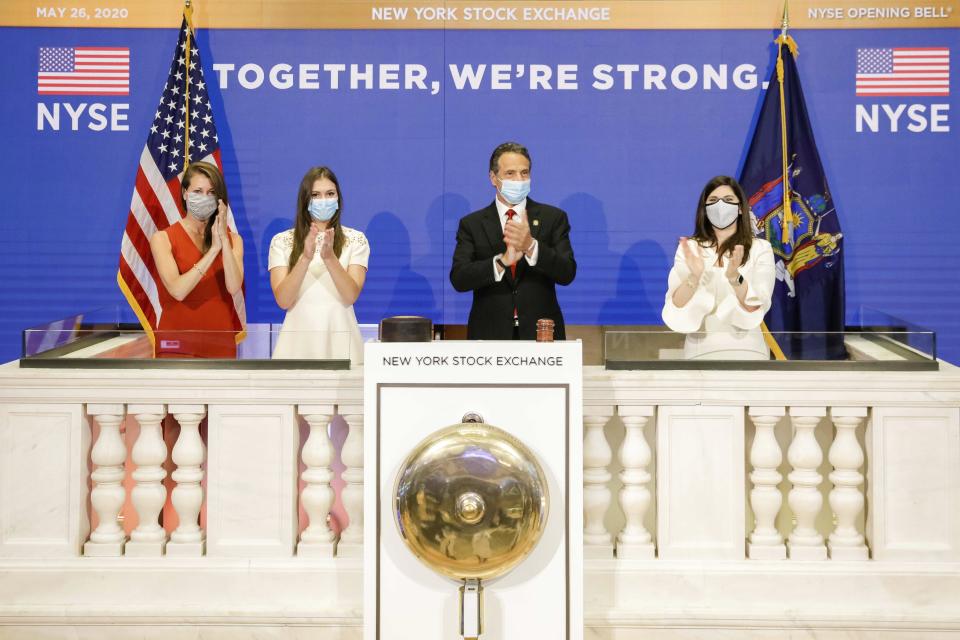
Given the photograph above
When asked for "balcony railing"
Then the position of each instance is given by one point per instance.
(710, 474)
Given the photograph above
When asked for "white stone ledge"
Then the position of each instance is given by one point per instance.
(601, 387)
(706, 622)
(784, 595)
(225, 631)
(149, 616)
(786, 568)
(343, 566)
(294, 598)
(208, 591)
(191, 386)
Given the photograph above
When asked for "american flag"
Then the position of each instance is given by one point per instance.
(84, 71)
(902, 71)
(155, 204)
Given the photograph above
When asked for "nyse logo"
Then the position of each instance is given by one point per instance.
(95, 117)
(83, 71)
(894, 118)
(903, 72)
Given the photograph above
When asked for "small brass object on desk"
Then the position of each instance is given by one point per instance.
(545, 328)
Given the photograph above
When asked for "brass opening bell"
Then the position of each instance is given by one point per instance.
(470, 502)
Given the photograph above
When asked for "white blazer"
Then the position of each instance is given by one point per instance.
(717, 326)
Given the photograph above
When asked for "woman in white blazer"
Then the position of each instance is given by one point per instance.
(722, 279)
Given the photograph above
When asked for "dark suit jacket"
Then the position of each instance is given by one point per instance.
(532, 292)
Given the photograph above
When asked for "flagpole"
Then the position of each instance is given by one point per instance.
(188, 17)
(787, 217)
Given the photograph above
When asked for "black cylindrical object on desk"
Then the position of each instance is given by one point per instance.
(406, 329)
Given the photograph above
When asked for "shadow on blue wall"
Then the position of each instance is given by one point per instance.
(641, 285)
(630, 284)
(393, 288)
(442, 219)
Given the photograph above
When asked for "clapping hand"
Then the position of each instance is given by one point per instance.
(693, 259)
(326, 245)
(734, 262)
(511, 256)
(219, 231)
(310, 242)
(516, 233)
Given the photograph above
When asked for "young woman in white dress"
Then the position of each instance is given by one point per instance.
(722, 279)
(317, 271)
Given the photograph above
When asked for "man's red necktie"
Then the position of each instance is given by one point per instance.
(513, 267)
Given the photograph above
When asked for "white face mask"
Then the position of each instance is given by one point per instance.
(722, 214)
(201, 206)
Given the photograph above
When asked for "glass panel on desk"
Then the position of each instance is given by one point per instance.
(79, 340)
(909, 333)
(864, 348)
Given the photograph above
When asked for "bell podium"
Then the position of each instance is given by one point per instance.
(474, 484)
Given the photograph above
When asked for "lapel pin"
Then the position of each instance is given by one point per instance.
(536, 223)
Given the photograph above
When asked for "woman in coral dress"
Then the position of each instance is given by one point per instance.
(200, 263)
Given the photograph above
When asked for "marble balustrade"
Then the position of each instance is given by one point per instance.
(858, 470)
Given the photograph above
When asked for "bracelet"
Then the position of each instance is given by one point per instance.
(199, 270)
(691, 282)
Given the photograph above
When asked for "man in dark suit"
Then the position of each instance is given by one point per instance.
(512, 254)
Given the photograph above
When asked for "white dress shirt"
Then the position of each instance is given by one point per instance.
(518, 208)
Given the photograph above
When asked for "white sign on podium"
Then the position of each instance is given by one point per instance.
(531, 390)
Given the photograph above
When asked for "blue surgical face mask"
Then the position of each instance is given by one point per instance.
(514, 191)
(322, 209)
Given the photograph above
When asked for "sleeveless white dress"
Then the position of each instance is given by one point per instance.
(320, 325)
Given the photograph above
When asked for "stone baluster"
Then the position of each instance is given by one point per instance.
(634, 541)
(766, 543)
(597, 541)
(189, 454)
(351, 538)
(846, 498)
(148, 495)
(317, 497)
(107, 496)
(805, 456)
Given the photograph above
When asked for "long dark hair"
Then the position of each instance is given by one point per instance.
(219, 189)
(301, 224)
(704, 232)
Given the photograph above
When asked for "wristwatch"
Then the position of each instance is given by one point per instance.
(502, 265)
(736, 281)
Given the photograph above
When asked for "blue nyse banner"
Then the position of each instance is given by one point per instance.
(624, 127)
